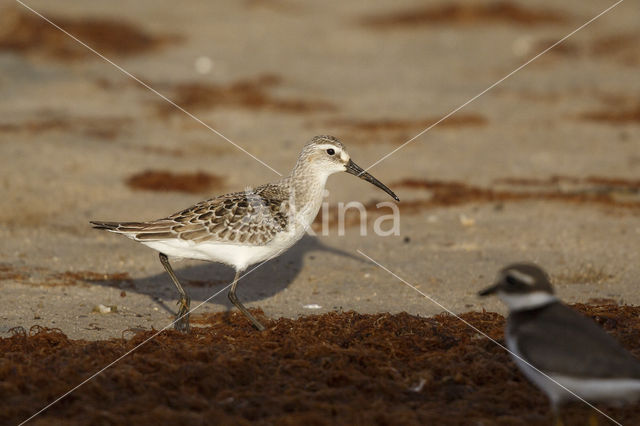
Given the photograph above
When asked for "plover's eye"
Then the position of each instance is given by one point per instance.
(511, 280)
(331, 151)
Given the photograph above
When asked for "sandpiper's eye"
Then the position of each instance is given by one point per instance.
(330, 151)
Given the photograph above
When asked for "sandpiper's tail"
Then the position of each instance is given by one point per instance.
(139, 231)
(133, 230)
(119, 227)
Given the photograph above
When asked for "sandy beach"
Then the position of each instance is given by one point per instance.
(542, 168)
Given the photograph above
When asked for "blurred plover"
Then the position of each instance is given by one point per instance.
(244, 228)
(560, 342)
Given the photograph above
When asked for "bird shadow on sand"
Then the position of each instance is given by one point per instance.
(203, 280)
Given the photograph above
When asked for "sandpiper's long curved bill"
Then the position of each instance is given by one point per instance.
(356, 170)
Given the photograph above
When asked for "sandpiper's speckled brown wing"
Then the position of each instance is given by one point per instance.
(249, 217)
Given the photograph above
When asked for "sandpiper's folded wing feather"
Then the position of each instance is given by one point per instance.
(554, 338)
(252, 216)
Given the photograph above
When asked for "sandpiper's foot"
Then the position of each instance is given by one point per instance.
(182, 318)
(234, 299)
(257, 324)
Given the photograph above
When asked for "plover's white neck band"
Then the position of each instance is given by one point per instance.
(521, 302)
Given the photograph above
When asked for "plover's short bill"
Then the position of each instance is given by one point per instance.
(560, 342)
(244, 228)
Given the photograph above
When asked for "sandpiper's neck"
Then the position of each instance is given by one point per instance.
(307, 186)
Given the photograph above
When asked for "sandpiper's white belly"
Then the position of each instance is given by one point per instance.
(239, 256)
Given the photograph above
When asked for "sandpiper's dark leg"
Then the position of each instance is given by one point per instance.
(182, 317)
(235, 301)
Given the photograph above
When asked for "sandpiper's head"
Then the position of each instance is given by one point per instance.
(522, 286)
(327, 155)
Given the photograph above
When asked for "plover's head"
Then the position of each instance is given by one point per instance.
(326, 155)
(522, 286)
